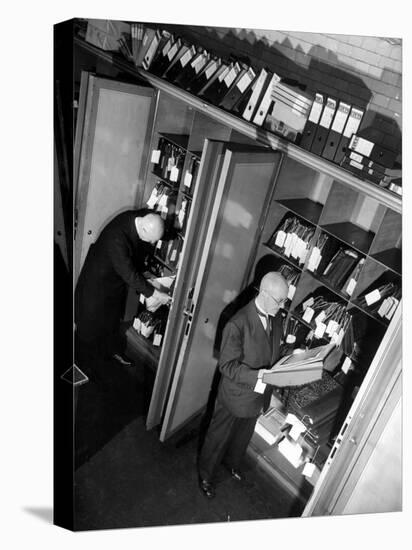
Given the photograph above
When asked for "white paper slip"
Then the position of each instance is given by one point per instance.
(296, 430)
(291, 292)
(155, 156)
(141, 298)
(173, 255)
(309, 469)
(280, 238)
(320, 330)
(260, 386)
(351, 287)
(174, 173)
(291, 450)
(188, 180)
(373, 297)
(307, 316)
(346, 365)
(157, 340)
(290, 339)
(313, 260)
(319, 318)
(308, 302)
(136, 324)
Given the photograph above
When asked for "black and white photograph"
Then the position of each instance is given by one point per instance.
(225, 277)
(237, 262)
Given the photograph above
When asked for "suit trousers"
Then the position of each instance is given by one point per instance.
(226, 441)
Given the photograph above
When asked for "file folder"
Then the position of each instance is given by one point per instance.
(162, 60)
(148, 36)
(180, 62)
(241, 84)
(214, 80)
(201, 79)
(257, 91)
(266, 101)
(312, 122)
(336, 131)
(351, 127)
(220, 86)
(152, 50)
(322, 131)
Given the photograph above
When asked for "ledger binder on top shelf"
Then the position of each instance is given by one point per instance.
(322, 130)
(267, 100)
(335, 134)
(180, 62)
(242, 82)
(148, 37)
(312, 123)
(202, 78)
(258, 88)
(298, 368)
(351, 127)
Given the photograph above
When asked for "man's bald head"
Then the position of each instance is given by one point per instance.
(150, 227)
(273, 292)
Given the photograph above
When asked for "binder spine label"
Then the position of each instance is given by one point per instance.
(356, 157)
(187, 56)
(167, 46)
(361, 145)
(245, 80)
(173, 50)
(230, 77)
(340, 117)
(316, 109)
(255, 95)
(210, 69)
(201, 63)
(328, 113)
(353, 123)
(266, 101)
(224, 73)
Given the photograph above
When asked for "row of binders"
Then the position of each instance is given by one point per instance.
(259, 96)
(323, 125)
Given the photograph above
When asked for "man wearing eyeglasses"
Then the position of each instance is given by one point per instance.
(250, 345)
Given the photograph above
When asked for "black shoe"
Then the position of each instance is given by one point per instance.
(236, 474)
(124, 362)
(207, 488)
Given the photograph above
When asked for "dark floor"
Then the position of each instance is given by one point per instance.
(127, 478)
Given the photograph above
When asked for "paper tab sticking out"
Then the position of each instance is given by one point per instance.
(309, 469)
(373, 297)
(155, 156)
(291, 451)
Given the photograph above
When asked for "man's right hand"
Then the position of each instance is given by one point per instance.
(156, 300)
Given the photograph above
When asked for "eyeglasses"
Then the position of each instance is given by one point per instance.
(279, 303)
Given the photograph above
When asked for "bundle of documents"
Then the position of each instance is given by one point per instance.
(289, 113)
(299, 368)
(382, 300)
(293, 238)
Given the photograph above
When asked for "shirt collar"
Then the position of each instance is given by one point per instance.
(260, 311)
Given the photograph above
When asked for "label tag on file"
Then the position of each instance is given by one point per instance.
(307, 316)
(245, 80)
(308, 303)
(351, 286)
(173, 255)
(280, 238)
(173, 50)
(316, 109)
(157, 340)
(136, 324)
(346, 365)
(141, 299)
(331, 328)
(320, 330)
(159, 244)
(314, 259)
(319, 318)
(328, 113)
(309, 469)
(291, 291)
(164, 212)
(210, 70)
(373, 297)
(290, 339)
(188, 180)
(155, 156)
(152, 199)
(174, 173)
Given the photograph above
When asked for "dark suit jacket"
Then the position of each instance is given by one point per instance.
(245, 349)
(114, 262)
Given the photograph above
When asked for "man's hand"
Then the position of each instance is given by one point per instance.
(156, 300)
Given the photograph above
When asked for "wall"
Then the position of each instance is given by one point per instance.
(362, 70)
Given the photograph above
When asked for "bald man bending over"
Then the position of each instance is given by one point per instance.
(114, 263)
(250, 345)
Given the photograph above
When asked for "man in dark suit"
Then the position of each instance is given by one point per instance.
(250, 345)
(114, 263)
